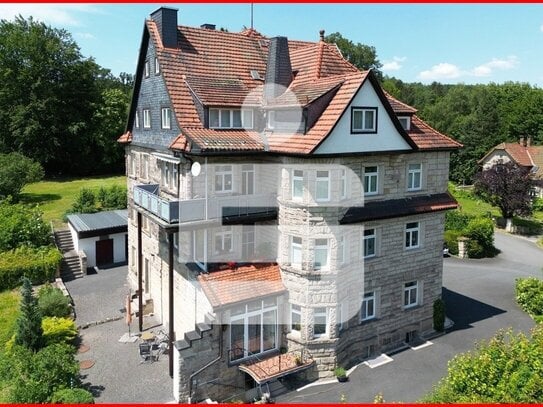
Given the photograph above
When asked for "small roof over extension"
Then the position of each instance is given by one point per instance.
(99, 224)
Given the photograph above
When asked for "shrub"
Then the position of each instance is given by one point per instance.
(456, 220)
(85, 202)
(113, 197)
(52, 302)
(451, 240)
(439, 315)
(58, 330)
(28, 331)
(21, 225)
(480, 231)
(529, 295)
(537, 204)
(72, 396)
(39, 265)
(16, 171)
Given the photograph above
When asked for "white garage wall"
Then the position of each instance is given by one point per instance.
(88, 245)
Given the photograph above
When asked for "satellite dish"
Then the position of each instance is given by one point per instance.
(195, 169)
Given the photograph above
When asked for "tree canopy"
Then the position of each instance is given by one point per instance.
(55, 104)
(16, 171)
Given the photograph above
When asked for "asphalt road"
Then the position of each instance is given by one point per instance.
(480, 300)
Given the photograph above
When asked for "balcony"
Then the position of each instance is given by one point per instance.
(200, 209)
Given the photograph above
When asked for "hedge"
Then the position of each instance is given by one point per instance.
(39, 265)
(529, 295)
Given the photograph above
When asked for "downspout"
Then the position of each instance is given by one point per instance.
(171, 330)
(192, 376)
(140, 277)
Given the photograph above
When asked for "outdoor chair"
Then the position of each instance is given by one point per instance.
(145, 352)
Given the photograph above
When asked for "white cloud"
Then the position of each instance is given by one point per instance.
(488, 68)
(394, 65)
(443, 70)
(85, 36)
(53, 14)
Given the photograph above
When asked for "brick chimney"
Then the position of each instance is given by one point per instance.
(278, 68)
(166, 21)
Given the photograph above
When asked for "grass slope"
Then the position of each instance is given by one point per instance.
(55, 197)
(9, 310)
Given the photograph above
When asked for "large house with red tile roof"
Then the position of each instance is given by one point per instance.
(286, 214)
(523, 154)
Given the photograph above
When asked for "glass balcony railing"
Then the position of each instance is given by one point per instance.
(147, 197)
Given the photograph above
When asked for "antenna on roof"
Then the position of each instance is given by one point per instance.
(252, 16)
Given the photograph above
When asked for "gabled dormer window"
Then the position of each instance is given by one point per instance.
(363, 120)
(405, 121)
(230, 118)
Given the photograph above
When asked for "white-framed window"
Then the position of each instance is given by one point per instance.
(322, 186)
(295, 318)
(247, 179)
(320, 322)
(405, 121)
(137, 120)
(147, 69)
(144, 166)
(157, 66)
(146, 119)
(371, 180)
(199, 248)
(410, 294)
(370, 243)
(253, 328)
(367, 310)
(364, 120)
(131, 163)
(341, 255)
(168, 175)
(412, 231)
(230, 118)
(223, 178)
(343, 184)
(321, 253)
(296, 251)
(223, 240)
(342, 315)
(297, 185)
(247, 242)
(166, 121)
(173, 180)
(270, 120)
(414, 177)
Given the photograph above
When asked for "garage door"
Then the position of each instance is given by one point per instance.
(104, 252)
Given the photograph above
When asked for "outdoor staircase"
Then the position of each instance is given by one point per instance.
(70, 267)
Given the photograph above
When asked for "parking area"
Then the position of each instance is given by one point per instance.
(117, 374)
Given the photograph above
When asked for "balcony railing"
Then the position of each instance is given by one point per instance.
(199, 209)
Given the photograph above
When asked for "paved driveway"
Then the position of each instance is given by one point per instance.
(480, 299)
(117, 375)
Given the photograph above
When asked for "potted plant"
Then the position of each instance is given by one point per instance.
(341, 374)
(298, 360)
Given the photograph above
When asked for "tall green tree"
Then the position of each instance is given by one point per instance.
(29, 332)
(360, 55)
(16, 171)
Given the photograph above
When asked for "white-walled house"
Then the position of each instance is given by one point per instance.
(285, 214)
(102, 236)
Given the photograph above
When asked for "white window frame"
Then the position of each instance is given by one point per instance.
(225, 235)
(364, 111)
(321, 245)
(270, 119)
(369, 234)
(147, 69)
(368, 177)
(243, 319)
(321, 312)
(322, 177)
(247, 242)
(412, 229)
(367, 299)
(343, 184)
(166, 118)
(246, 118)
(137, 120)
(296, 247)
(295, 309)
(248, 187)
(146, 118)
(144, 166)
(297, 178)
(157, 66)
(222, 172)
(405, 121)
(410, 301)
(414, 173)
(131, 164)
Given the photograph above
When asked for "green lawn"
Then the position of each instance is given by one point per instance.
(9, 310)
(469, 203)
(55, 197)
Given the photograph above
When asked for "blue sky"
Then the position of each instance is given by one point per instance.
(449, 43)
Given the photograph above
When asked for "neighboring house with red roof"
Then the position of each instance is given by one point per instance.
(523, 154)
(286, 214)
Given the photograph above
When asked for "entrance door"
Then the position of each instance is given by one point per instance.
(104, 252)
